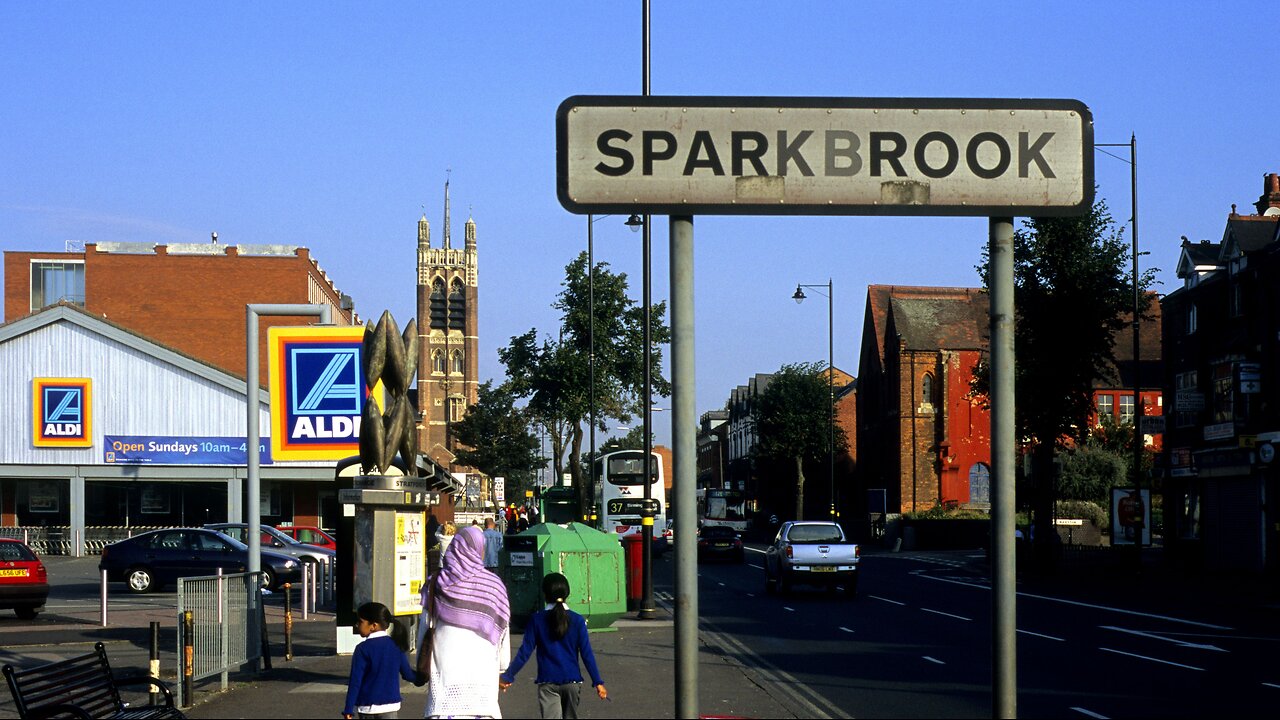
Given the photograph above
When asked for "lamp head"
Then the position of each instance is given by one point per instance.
(635, 222)
(799, 296)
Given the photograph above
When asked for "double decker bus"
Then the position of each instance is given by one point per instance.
(723, 508)
(620, 492)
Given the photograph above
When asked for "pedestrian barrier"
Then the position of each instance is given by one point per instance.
(60, 539)
(225, 627)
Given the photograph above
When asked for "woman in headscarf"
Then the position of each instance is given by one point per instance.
(467, 608)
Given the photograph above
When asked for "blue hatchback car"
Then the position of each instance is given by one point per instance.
(154, 559)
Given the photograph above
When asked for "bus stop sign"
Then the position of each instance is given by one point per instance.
(824, 156)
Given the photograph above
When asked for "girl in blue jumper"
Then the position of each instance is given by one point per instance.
(560, 636)
(378, 664)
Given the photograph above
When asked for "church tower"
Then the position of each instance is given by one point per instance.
(448, 359)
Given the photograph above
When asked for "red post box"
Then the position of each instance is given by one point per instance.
(633, 551)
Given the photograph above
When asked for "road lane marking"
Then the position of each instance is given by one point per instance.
(1047, 637)
(934, 660)
(1166, 618)
(1272, 685)
(755, 550)
(1090, 713)
(939, 612)
(773, 677)
(845, 629)
(784, 607)
(885, 599)
(751, 594)
(1144, 657)
(1157, 636)
(720, 584)
(758, 567)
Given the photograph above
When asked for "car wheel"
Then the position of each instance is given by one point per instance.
(268, 579)
(28, 612)
(140, 580)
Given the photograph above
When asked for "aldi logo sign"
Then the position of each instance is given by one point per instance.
(62, 412)
(317, 392)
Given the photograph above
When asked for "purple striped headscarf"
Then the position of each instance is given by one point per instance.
(468, 595)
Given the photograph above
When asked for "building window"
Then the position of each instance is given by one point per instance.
(1237, 300)
(439, 310)
(1126, 409)
(1106, 407)
(980, 486)
(437, 362)
(457, 307)
(52, 282)
(457, 363)
(457, 408)
(1187, 400)
(926, 389)
(1191, 319)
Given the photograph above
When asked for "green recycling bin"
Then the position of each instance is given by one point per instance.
(590, 559)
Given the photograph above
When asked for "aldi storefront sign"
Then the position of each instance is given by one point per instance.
(824, 156)
(317, 392)
(62, 412)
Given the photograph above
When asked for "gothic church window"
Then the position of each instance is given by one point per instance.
(437, 362)
(456, 368)
(439, 310)
(457, 307)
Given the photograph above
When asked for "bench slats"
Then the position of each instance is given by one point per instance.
(85, 682)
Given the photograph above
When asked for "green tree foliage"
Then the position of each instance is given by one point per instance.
(554, 375)
(495, 439)
(1090, 471)
(792, 421)
(1073, 291)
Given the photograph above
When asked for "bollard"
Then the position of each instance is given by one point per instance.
(188, 657)
(315, 584)
(104, 598)
(221, 595)
(153, 668)
(306, 589)
(288, 621)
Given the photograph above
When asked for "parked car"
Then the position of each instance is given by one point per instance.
(811, 553)
(24, 583)
(151, 560)
(311, 535)
(276, 541)
(719, 541)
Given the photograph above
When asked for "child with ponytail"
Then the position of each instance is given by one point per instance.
(559, 635)
(377, 665)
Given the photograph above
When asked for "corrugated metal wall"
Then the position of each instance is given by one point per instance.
(133, 394)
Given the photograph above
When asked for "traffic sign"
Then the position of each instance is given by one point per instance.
(824, 156)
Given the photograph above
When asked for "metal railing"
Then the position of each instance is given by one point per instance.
(226, 626)
(59, 539)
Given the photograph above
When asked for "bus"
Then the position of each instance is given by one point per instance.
(725, 508)
(620, 493)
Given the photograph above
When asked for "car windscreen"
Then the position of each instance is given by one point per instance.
(15, 552)
(814, 534)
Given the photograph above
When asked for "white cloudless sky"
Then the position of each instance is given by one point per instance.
(332, 126)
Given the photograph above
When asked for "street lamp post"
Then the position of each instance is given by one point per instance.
(799, 297)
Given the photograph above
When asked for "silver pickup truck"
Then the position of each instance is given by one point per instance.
(811, 553)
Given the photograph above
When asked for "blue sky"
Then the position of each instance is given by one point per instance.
(332, 126)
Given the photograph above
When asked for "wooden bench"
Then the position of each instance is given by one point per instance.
(82, 687)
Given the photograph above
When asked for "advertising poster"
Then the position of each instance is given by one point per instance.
(179, 450)
(1130, 516)
(42, 497)
(411, 562)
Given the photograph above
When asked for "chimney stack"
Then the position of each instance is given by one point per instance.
(1270, 197)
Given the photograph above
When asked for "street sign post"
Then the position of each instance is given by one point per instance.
(824, 156)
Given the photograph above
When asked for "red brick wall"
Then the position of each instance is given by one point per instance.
(192, 303)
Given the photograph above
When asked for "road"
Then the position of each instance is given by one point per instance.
(916, 642)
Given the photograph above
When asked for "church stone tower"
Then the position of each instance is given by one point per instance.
(448, 360)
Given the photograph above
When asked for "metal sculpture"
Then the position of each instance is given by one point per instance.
(392, 358)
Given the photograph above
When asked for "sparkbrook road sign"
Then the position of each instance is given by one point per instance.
(317, 391)
(824, 156)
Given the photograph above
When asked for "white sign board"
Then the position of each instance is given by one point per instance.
(824, 156)
(410, 562)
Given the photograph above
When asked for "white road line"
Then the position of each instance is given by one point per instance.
(1271, 685)
(1157, 636)
(1090, 713)
(934, 660)
(755, 550)
(776, 678)
(1047, 637)
(845, 629)
(1122, 611)
(758, 567)
(720, 584)
(1144, 657)
(885, 599)
(751, 594)
(784, 607)
(939, 612)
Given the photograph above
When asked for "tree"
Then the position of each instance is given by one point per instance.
(494, 438)
(554, 376)
(1073, 293)
(792, 416)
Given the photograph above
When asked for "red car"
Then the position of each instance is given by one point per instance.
(24, 583)
(310, 535)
